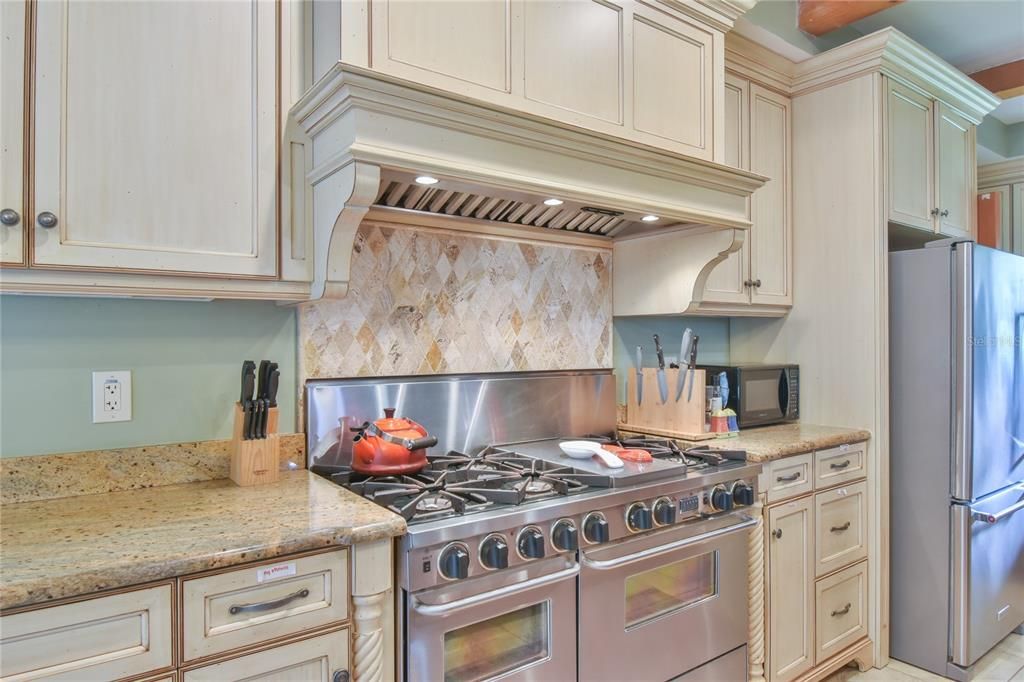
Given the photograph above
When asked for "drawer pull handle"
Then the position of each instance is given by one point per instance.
(267, 605)
(840, 529)
(841, 465)
(843, 611)
(788, 479)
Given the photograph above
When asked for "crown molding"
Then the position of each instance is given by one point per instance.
(892, 53)
(1002, 173)
(753, 61)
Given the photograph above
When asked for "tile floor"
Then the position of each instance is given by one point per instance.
(1004, 663)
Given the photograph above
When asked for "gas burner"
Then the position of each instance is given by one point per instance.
(538, 486)
(433, 503)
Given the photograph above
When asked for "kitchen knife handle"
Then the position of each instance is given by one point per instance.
(659, 352)
(275, 381)
(246, 419)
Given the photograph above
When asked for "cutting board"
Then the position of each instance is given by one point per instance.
(683, 419)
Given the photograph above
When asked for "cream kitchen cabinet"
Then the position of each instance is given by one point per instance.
(12, 131)
(791, 589)
(931, 163)
(648, 71)
(316, 659)
(757, 279)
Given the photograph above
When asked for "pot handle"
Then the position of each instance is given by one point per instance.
(420, 443)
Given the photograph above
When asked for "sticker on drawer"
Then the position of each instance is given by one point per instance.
(267, 574)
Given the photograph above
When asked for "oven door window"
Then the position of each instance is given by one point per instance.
(664, 590)
(499, 645)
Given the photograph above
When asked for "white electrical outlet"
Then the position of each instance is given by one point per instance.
(111, 396)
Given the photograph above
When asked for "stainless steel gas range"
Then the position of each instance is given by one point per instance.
(523, 564)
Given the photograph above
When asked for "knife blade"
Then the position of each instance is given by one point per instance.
(692, 366)
(245, 399)
(662, 379)
(639, 375)
(684, 351)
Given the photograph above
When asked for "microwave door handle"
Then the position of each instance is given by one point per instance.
(784, 392)
(443, 609)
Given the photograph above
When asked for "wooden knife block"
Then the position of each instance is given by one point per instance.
(257, 461)
(683, 419)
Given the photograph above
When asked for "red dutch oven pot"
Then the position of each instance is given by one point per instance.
(390, 446)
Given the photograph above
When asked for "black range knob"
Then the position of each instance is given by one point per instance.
(454, 562)
(721, 499)
(595, 528)
(564, 536)
(494, 552)
(742, 494)
(530, 543)
(638, 517)
(664, 512)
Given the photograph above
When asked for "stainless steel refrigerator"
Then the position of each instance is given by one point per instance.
(956, 453)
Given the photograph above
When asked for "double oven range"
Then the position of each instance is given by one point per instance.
(523, 564)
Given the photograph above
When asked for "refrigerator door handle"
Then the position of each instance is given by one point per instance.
(996, 517)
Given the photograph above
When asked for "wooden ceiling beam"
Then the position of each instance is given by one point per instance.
(1005, 80)
(819, 17)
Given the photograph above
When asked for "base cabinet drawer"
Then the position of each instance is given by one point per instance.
(841, 605)
(840, 520)
(122, 635)
(255, 604)
(788, 477)
(310, 660)
(839, 465)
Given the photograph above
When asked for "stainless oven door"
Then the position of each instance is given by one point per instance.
(764, 396)
(659, 605)
(513, 626)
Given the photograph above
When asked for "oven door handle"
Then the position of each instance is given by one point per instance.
(442, 609)
(662, 549)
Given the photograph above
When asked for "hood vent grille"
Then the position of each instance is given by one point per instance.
(440, 201)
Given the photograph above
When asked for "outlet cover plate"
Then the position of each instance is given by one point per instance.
(111, 396)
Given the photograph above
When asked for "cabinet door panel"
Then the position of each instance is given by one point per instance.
(309, 660)
(725, 283)
(911, 164)
(156, 136)
(566, 70)
(770, 245)
(790, 589)
(672, 77)
(954, 152)
(458, 46)
(12, 130)
(994, 226)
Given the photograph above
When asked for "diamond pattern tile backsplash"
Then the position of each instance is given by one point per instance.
(426, 302)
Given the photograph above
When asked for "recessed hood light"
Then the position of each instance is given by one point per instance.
(553, 202)
(649, 218)
(426, 180)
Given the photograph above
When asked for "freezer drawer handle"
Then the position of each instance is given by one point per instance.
(268, 605)
(986, 517)
(788, 479)
(443, 609)
(843, 611)
(841, 465)
(670, 547)
(840, 529)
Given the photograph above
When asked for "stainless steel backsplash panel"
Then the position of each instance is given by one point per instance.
(466, 412)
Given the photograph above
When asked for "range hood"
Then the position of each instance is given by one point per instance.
(375, 142)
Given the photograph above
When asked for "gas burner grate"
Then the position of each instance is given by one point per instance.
(422, 496)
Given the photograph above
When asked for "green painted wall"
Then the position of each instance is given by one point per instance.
(185, 359)
(780, 17)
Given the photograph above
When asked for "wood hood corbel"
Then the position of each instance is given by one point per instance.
(371, 135)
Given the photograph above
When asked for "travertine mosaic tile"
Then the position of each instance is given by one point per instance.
(425, 302)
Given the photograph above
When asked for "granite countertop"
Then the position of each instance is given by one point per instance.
(767, 443)
(51, 549)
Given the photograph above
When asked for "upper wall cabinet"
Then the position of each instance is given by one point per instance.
(931, 166)
(12, 131)
(651, 72)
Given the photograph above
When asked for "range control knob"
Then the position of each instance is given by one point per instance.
(721, 499)
(664, 512)
(638, 517)
(530, 543)
(564, 536)
(742, 494)
(494, 552)
(595, 528)
(454, 562)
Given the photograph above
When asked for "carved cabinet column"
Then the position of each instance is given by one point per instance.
(372, 597)
(755, 595)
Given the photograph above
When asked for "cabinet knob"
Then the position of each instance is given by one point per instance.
(935, 212)
(46, 219)
(777, 533)
(340, 676)
(757, 283)
(944, 213)
(748, 283)
(9, 217)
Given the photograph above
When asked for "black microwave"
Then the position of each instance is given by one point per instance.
(760, 394)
